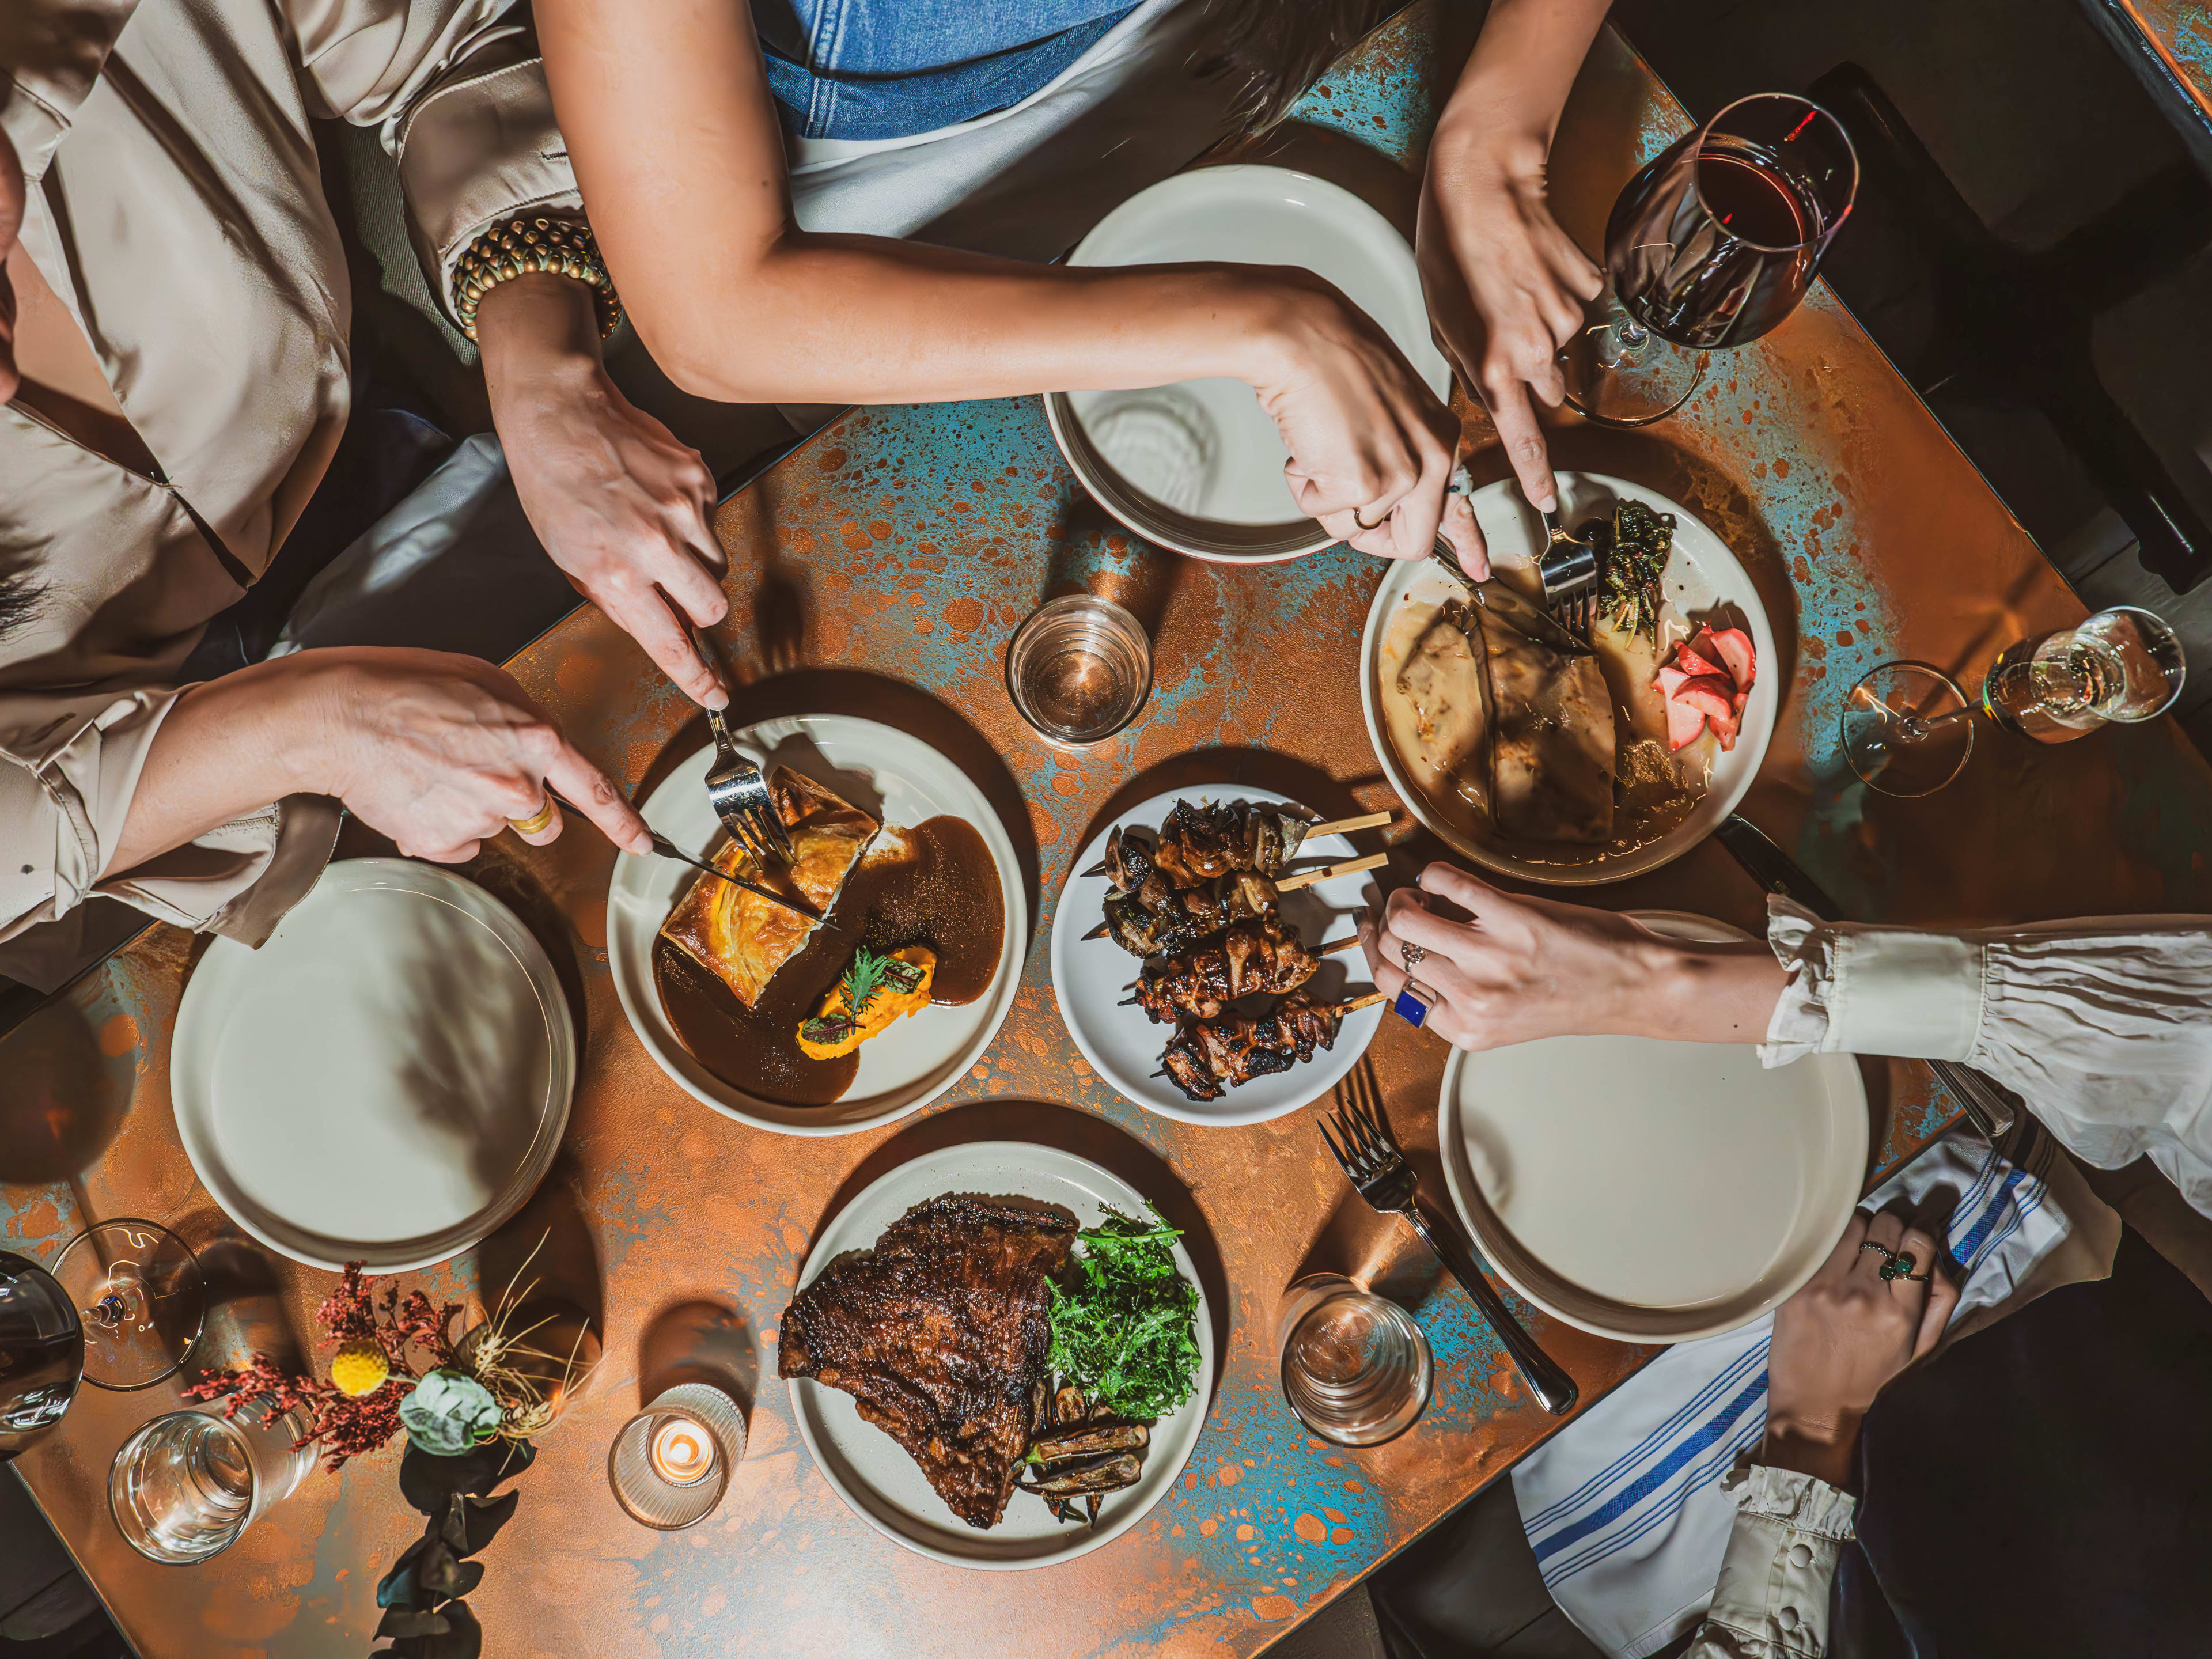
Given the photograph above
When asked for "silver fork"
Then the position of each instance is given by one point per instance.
(735, 787)
(1364, 1144)
(1570, 570)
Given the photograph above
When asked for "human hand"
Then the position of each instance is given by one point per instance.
(1505, 287)
(439, 752)
(621, 506)
(1372, 449)
(1839, 1341)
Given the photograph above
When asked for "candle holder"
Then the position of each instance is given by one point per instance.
(670, 1464)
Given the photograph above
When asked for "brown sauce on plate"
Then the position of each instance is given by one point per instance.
(935, 885)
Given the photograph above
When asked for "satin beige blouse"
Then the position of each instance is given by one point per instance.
(175, 206)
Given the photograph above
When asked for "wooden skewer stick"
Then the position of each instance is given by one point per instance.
(1331, 827)
(1349, 868)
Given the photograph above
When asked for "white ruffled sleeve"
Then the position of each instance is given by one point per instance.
(1772, 1599)
(2103, 1026)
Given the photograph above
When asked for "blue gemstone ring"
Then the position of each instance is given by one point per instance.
(1413, 1001)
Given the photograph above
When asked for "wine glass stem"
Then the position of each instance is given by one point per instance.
(1624, 337)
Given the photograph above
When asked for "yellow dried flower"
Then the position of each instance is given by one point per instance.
(360, 1368)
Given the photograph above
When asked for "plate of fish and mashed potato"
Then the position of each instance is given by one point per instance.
(1565, 770)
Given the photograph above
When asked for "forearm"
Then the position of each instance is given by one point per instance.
(1518, 78)
(227, 748)
(872, 320)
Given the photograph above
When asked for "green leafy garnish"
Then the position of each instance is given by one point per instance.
(867, 975)
(1127, 1334)
(1635, 557)
(864, 977)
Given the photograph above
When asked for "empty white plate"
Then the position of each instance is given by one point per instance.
(934, 1047)
(872, 1471)
(1090, 977)
(386, 1080)
(1651, 1191)
(1701, 577)
(1197, 465)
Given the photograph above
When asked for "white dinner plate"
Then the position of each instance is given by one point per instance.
(1199, 465)
(1089, 977)
(872, 1471)
(936, 1046)
(1653, 1191)
(1703, 579)
(386, 1080)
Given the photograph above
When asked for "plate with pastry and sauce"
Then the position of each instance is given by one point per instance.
(1575, 769)
(881, 975)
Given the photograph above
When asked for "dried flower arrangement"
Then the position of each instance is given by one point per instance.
(469, 1408)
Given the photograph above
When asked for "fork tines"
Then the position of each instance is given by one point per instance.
(1362, 1142)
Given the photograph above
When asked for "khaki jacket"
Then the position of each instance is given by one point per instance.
(175, 206)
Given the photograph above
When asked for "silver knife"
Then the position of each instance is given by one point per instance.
(1988, 1103)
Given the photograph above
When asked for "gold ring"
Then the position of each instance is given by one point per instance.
(536, 823)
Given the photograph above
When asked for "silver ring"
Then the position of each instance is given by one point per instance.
(1413, 956)
(1463, 483)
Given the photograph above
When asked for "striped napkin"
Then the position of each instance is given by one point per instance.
(1625, 1509)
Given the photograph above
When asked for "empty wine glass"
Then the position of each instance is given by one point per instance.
(1710, 246)
(140, 1293)
(41, 1351)
(1907, 729)
(187, 1485)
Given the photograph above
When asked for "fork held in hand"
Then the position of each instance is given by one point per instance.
(1379, 1171)
(735, 787)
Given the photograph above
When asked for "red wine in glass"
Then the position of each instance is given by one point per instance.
(41, 1351)
(1709, 247)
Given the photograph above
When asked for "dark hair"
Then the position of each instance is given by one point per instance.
(1272, 50)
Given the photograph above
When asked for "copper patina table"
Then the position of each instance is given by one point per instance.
(880, 569)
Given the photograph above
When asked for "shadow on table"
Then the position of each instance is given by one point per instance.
(1257, 768)
(699, 1342)
(545, 1251)
(1140, 577)
(1069, 1131)
(907, 708)
(61, 1100)
(246, 1309)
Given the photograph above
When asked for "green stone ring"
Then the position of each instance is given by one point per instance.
(1897, 1264)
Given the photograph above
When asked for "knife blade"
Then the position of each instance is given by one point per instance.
(1523, 615)
(1988, 1103)
(669, 849)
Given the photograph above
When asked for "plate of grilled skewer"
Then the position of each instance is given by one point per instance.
(1204, 958)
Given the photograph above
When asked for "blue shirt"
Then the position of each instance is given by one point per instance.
(889, 69)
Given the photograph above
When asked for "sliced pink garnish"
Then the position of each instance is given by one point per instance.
(1669, 677)
(1684, 723)
(1738, 655)
(1691, 663)
(1726, 729)
(1711, 695)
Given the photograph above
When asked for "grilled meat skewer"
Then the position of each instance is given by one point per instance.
(1208, 1057)
(1252, 956)
(1177, 921)
(1198, 843)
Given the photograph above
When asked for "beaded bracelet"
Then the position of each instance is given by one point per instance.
(556, 247)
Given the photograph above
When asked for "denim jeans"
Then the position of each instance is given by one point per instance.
(889, 69)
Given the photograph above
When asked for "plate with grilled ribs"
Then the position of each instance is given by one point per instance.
(851, 987)
(1204, 958)
(1564, 768)
(921, 1348)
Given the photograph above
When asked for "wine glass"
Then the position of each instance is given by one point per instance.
(142, 1296)
(41, 1351)
(1710, 246)
(1907, 729)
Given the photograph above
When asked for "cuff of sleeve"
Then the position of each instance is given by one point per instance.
(240, 879)
(1803, 1503)
(482, 147)
(1861, 990)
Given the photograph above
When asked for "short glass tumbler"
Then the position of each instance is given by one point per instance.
(670, 1464)
(187, 1485)
(1356, 1368)
(1079, 670)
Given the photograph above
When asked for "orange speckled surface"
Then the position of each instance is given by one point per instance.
(880, 570)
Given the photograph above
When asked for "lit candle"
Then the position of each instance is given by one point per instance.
(683, 1453)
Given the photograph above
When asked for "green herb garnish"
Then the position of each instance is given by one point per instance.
(1127, 1334)
(867, 975)
(1635, 557)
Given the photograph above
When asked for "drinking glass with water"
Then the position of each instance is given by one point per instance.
(186, 1485)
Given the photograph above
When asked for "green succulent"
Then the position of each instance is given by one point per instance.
(449, 1412)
